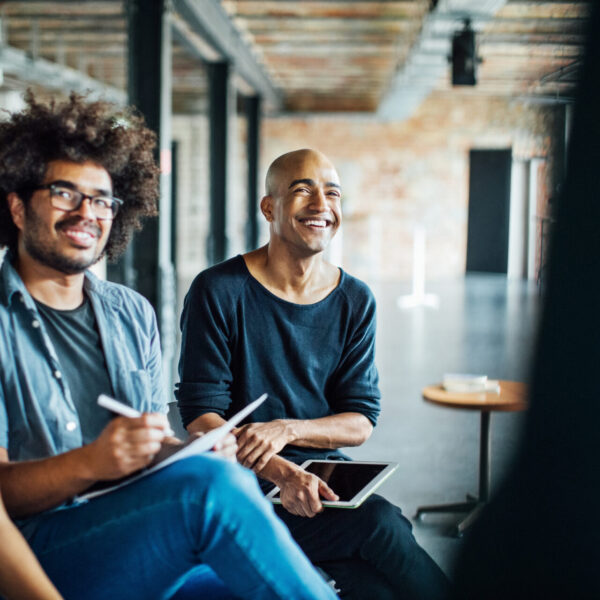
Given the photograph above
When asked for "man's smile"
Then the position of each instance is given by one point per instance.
(316, 222)
(82, 236)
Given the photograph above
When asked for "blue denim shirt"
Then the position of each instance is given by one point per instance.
(37, 415)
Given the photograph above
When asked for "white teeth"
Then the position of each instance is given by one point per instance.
(315, 222)
(80, 235)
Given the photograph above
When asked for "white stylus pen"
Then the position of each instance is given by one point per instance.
(122, 409)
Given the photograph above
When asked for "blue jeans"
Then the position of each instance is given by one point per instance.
(175, 529)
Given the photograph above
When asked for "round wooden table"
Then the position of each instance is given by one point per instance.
(512, 397)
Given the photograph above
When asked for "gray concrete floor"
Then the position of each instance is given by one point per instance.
(484, 324)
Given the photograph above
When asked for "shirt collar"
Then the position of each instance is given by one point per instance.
(11, 283)
(11, 286)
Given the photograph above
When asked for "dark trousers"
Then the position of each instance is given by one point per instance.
(370, 551)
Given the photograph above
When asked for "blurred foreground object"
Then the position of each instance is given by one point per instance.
(540, 536)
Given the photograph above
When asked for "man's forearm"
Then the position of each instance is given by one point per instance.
(30, 487)
(205, 423)
(124, 446)
(333, 431)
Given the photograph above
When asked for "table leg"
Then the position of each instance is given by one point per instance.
(484, 457)
(469, 519)
(473, 505)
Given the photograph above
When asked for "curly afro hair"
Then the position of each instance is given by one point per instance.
(77, 130)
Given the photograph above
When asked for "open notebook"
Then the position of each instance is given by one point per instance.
(170, 454)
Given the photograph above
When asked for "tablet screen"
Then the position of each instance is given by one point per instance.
(346, 479)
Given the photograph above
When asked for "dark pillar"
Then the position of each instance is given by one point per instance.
(150, 91)
(218, 76)
(253, 153)
(145, 42)
(174, 209)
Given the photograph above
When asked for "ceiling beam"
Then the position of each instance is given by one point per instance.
(51, 75)
(212, 24)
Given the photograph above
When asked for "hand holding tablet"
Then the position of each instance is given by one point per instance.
(352, 481)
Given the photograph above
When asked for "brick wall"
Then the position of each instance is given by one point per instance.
(396, 176)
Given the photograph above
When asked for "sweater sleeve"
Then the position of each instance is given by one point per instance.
(355, 383)
(204, 365)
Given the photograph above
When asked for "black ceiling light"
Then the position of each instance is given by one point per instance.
(464, 56)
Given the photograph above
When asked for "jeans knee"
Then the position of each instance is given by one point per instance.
(205, 477)
(232, 479)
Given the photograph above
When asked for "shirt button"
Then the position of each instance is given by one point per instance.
(35, 323)
(71, 426)
(57, 374)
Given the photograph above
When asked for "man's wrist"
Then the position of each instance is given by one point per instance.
(83, 463)
(291, 430)
(278, 471)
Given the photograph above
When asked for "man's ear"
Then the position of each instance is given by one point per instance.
(266, 207)
(17, 209)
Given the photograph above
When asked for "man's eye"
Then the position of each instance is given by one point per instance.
(103, 202)
(63, 193)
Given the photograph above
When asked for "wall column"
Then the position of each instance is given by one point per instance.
(253, 104)
(218, 75)
(148, 266)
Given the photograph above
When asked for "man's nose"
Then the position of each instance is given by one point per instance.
(85, 210)
(319, 200)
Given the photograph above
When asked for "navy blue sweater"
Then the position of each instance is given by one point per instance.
(240, 340)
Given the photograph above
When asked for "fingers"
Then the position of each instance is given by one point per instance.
(227, 441)
(249, 449)
(152, 420)
(305, 505)
(128, 444)
(145, 429)
(259, 442)
(226, 447)
(128, 441)
(256, 457)
(326, 492)
(301, 497)
(263, 460)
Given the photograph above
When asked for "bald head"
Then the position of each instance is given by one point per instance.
(293, 163)
(303, 202)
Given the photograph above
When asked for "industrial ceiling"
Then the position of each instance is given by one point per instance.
(355, 56)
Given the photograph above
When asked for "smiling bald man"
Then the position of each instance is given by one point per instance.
(282, 319)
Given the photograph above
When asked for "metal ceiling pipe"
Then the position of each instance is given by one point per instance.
(427, 62)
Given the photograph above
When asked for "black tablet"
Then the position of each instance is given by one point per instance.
(353, 481)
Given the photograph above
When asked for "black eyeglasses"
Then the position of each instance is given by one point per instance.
(64, 198)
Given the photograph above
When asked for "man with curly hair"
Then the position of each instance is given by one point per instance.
(76, 178)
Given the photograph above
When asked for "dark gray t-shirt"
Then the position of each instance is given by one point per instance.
(76, 340)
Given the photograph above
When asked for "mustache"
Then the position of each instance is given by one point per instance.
(75, 220)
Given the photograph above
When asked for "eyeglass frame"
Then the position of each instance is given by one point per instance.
(117, 202)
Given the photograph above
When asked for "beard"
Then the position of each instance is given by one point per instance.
(46, 252)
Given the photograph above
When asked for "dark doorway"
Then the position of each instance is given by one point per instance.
(489, 206)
